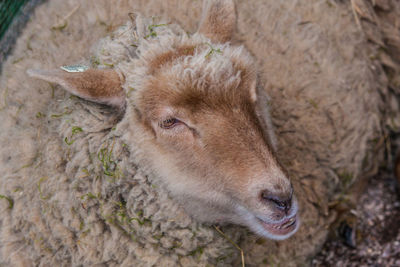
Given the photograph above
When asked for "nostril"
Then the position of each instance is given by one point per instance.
(280, 203)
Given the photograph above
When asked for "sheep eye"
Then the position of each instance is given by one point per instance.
(169, 123)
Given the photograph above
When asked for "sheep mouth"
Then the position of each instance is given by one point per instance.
(283, 228)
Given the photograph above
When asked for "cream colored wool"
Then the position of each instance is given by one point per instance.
(326, 103)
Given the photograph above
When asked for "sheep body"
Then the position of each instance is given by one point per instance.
(79, 215)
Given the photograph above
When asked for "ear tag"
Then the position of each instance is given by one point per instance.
(75, 68)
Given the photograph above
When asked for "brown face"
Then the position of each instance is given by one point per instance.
(221, 164)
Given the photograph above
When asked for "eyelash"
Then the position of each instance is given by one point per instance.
(169, 123)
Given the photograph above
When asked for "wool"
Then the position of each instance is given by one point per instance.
(326, 104)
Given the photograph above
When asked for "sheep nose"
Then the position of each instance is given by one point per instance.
(282, 202)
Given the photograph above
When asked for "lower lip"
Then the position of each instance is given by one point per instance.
(283, 228)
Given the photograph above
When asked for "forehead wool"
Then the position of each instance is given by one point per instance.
(134, 46)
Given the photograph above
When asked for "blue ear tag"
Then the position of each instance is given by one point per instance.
(75, 68)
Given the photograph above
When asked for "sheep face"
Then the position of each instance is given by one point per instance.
(199, 117)
(211, 142)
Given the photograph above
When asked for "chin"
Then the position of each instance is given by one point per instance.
(276, 230)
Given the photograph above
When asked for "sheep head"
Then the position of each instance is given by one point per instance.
(200, 119)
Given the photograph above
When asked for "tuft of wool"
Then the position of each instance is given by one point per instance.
(83, 194)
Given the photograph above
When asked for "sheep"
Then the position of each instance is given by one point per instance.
(94, 198)
(194, 105)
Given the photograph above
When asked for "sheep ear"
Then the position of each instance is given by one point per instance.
(100, 86)
(218, 20)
